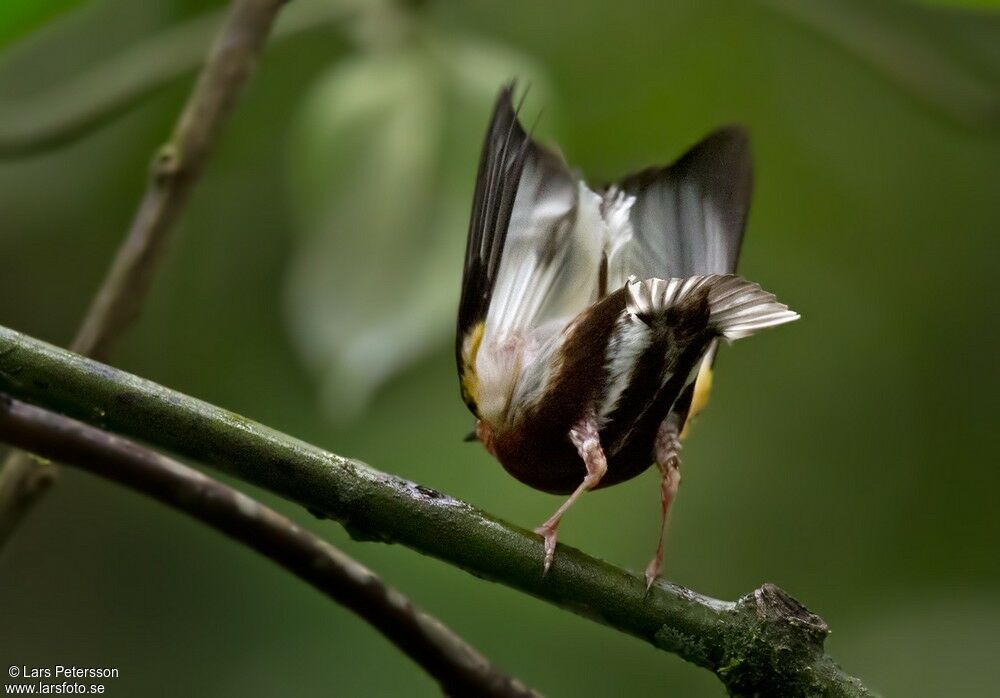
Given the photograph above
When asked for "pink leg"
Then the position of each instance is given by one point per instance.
(668, 460)
(588, 444)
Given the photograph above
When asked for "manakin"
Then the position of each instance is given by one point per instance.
(589, 317)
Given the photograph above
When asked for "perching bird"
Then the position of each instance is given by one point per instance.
(589, 319)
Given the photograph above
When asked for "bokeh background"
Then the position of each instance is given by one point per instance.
(850, 458)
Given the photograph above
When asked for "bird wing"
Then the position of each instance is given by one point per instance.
(534, 253)
(551, 254)
(688, 218)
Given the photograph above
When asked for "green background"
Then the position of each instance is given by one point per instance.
(850, 458)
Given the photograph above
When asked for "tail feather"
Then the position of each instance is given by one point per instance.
(737, 308)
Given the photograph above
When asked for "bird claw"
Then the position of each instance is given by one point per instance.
(549, 534)
(653, 570)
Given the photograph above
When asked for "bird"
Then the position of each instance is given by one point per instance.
(589, 317)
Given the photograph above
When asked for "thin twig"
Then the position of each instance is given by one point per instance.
(764, 644)
(95, 96)
(175, 169)
(455, 664)
(907, 44)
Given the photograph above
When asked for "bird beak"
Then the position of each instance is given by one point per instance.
(471, 437)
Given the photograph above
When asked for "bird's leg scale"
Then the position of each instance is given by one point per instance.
(586, 437)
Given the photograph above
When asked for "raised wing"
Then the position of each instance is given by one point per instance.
(551, 255)
(533, 259)
(688, 217)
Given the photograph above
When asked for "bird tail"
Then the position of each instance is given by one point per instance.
(737, 308)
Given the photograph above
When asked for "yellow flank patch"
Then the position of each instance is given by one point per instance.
(702, 388)
(470, 348)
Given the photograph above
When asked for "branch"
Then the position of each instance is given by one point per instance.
(175, 170)
(764, 644)
(457, 666)
(85, 101)
(907, 44)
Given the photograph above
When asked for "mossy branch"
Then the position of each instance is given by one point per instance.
(766, 643)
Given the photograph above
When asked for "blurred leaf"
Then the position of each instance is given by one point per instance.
(19, 17)
(949, 59)
(382, 169)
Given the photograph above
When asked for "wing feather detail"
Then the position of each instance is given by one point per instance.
(688, 218)
(500, 165)
(552, 256)
(533, 258)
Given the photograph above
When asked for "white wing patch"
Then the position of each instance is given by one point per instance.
(559, 231)
(620, 243)
(550, 261)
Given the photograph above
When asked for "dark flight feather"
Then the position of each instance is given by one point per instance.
(689, 217)
(500, 165)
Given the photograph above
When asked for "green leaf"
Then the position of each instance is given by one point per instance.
(20, 17)
(382, 168)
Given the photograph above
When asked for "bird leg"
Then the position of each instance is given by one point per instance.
(668, 446)
(585, 436)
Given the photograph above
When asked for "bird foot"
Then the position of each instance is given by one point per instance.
(550, 533)
(653, 569)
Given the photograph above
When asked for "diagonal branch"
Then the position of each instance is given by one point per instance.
(907, 44)
(175, 169)
(766, 643)
(457, 666)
